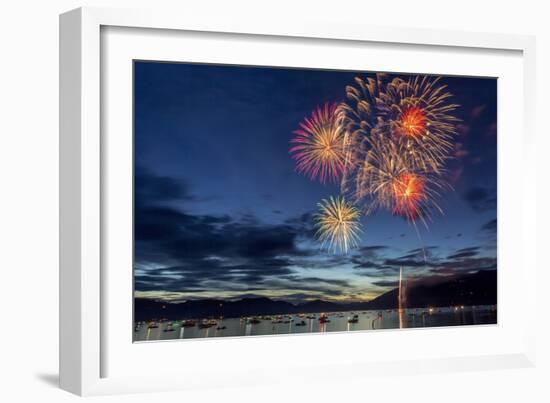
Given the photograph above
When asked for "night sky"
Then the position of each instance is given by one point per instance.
(220, 211)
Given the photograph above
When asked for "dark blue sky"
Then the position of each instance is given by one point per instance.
(221, 212)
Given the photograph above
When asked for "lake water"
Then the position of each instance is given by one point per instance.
(336, 322)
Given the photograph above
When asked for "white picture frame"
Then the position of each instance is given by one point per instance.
(85, 342)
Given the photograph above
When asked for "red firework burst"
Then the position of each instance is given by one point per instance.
(409, 194)
(413, 122)
(319, 149)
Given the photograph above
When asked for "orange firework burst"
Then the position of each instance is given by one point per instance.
(413, 122)
(408, 190)
(418, 112)
(319, 149)
(415, 112)
(386, 177)
(399, 136)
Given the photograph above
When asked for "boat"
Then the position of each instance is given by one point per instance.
(153, 325)
(253, 321)
(324, 318)
(353, 319)
(169, 327)
(205, 324)
(188, 323)
(221, 328)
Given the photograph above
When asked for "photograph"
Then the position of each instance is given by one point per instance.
(280, 201)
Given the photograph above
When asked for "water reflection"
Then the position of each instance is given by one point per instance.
(317, 323)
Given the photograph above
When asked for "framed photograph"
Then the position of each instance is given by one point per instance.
(229, 192)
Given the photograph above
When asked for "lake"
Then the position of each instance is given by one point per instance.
(311, 323)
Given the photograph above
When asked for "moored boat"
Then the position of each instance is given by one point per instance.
(324, 318)
(253, 321)
(353, 319)
(205, 324)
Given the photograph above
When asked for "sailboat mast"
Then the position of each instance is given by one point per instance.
(400, 296)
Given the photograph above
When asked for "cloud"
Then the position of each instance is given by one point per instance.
(151, 188)
(480, 199)
(460, 151)
(466, 265)
(464, 253)
(380, 271)
(478, 111)
(490, 226)
(180, 252)
(427, 262)
(336, 282)
(208, 252)
(372, 250)
(386, 283)
(404, 262)
(463, 129)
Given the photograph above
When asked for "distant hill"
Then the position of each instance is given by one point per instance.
(474, 289)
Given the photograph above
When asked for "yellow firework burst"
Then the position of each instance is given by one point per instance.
(338, 225)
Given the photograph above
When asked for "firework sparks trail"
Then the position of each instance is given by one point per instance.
(421, 245)
(319, 145)
(338, 224)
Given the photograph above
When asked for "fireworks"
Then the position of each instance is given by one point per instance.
(409, 194)
(413, 122)
(319, 149)
(385, 179)
(338, 224)
(418, 115)
(415, 114)
(398, 139)
(387, 145)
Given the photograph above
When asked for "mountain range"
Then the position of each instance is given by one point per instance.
(479, 288)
